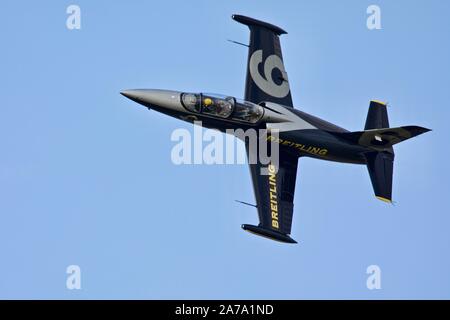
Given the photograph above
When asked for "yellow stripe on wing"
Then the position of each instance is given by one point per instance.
(384, 199)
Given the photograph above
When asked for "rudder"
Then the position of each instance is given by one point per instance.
(380, 164)
(377, 117)
(381, 167)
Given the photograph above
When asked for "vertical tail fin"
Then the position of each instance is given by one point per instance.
(381, 168)
(378, 139)
(380, 164)
(266, 76)
(377, 116)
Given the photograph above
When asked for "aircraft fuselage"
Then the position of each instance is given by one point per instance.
(299, 133)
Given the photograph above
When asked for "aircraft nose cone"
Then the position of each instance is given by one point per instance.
(132, 94)
(127, 93)
(155, 99)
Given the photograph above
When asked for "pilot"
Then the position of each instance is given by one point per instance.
(207, 102)
(224, 108)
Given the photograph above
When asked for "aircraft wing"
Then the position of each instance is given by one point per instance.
(267, 81)
(274, 195)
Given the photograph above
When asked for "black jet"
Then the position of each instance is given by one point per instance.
(268, 105)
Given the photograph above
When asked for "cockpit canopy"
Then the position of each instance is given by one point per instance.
(222, 106)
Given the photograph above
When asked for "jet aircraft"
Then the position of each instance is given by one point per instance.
(268, 104)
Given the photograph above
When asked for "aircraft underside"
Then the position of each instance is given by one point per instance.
(268, 105)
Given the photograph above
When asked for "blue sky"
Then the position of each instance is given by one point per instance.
(86, 176)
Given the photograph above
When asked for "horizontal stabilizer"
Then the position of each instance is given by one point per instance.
(382, 138)
(268, 233)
